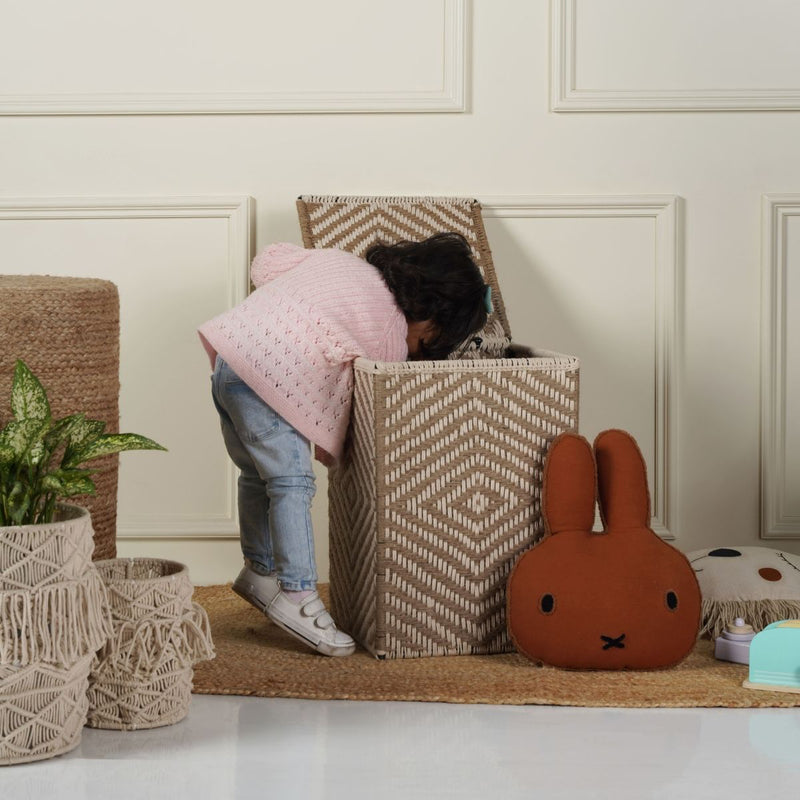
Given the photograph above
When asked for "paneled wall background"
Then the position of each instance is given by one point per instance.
(636, 160)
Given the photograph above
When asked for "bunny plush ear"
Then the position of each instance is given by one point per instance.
(622, 481)
(569, 486)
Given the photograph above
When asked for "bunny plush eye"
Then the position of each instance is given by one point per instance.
(671, 600)
(547, 603)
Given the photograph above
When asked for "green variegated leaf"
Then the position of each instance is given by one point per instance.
(114, 443)
(69, 482)
(6, 455)
(28, 398)
(19, 436)
(62, 429)
(18, 503)
(83, 433)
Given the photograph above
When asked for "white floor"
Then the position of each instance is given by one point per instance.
(237, 747)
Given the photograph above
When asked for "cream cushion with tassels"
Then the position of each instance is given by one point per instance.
(758, 584)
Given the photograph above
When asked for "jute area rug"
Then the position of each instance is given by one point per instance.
(254, 657)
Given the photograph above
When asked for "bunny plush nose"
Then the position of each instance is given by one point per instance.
(613, 641)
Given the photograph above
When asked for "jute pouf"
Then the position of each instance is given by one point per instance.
(67, 331)
(142, 678)
(53, 617)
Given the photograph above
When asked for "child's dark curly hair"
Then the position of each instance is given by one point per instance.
(435, 279)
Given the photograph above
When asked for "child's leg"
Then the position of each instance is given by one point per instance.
(253, 502)
(282, 459)
(277, 482)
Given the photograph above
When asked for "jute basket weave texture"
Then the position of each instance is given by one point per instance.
(439, 489)
(67, 331)
(142, 678)
(53, 617)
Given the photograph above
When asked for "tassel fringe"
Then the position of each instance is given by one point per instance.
(139, 648)
(56, 624)
(758, 613)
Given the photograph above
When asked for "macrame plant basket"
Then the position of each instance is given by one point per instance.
(439, 489)
(142, 678)
(53, 616)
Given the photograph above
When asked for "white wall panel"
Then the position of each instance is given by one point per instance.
(780, 443)
(177, 262)
(596, 277)
(574, 275)
(242, 56)
(619, 55)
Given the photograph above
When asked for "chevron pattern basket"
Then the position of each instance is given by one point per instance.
(439, 489)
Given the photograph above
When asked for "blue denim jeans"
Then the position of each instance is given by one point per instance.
(276, 482)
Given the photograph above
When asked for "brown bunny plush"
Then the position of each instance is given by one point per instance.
(617, 599)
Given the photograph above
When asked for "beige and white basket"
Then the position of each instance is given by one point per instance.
(439, 489)
(53, 617)
(142, 678)
(42, 710)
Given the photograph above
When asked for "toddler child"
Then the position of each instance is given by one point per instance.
(283, 380)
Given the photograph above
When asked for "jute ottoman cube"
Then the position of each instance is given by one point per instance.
(67, 331)
(439, 489)
(142, 678)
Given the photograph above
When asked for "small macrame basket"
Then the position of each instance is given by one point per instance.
(142, 678)
(53, 617)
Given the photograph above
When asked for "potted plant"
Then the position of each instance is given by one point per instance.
(54, 612)
(41, 459)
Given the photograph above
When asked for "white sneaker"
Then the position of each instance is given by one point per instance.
(259, 590)
(309, 622)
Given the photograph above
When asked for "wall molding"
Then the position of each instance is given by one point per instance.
(565, 96)
(450, 97)
(238, 212)
(664, 210)
(776, 523)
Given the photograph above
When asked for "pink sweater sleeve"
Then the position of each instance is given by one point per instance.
(274, 260)
(395, 344)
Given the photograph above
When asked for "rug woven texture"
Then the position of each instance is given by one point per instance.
(256, 658)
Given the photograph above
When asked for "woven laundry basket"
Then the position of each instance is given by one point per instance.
(53, 617)
(142, 678)
(439, 489)
(67, 331)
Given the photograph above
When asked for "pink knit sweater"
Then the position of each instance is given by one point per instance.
(293, 340)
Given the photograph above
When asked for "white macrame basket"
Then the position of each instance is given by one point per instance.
(53, 617)
(142, 678)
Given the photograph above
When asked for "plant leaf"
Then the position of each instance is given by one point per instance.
(82, 434)
(62, 429)
(18, 502)
(6, 455)
(28, 397)
(69, 482)
(20, 436)
(114, 443)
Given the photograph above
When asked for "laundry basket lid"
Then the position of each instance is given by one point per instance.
(356, 223)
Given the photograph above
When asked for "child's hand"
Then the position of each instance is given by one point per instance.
(325, 458)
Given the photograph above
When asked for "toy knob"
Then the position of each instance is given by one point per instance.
(739, 627)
